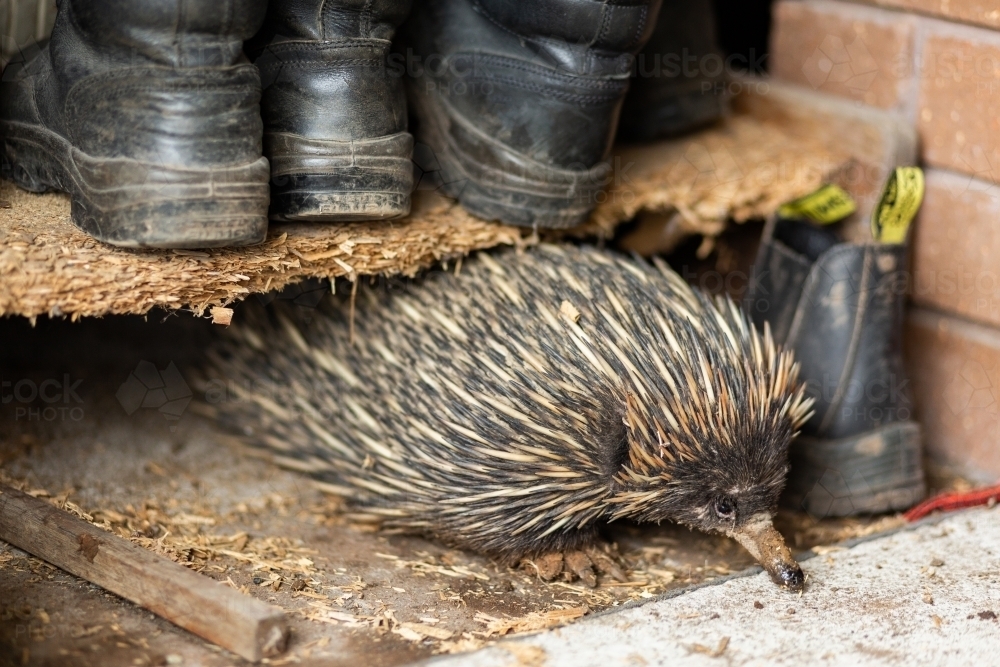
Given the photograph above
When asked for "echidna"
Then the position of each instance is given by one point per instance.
(515, 407)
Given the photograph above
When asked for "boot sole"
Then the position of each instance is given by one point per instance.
(877, 471)
(494, 182)
(315, 180)
(135, 204)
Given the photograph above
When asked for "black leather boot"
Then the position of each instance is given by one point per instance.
(679, 82)
(519, 101)
(839, 307)
(334, 116)
(147, 114)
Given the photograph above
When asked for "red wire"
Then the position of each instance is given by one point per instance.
(949, 502)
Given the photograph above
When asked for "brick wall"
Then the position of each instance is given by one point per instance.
(938, 63)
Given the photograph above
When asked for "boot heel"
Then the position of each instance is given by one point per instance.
(152, 156)
(323, 180)
(869, 473)
(25, 162)
(135, 204)
(26, 178)
(520, 102)
(494, 182)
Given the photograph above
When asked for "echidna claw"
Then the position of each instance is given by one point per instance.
(583, 565)
(578, 563)
(547, 566)
(606, 559)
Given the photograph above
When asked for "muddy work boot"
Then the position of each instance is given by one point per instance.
(518, 102)
(679, 82)
(334, 115)
(839, 307)
(147, 114)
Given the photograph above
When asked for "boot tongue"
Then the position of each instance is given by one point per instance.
(805, 238)
(806, 225)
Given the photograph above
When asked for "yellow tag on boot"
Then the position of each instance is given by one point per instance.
(898, 205)
(825, 206)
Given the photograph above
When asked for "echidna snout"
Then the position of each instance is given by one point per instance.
(730, 483)
(765, 544)
(514, 408)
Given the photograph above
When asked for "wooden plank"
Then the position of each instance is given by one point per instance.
(244, 625)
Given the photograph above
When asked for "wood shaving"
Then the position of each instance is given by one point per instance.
(223, 316)
(429, 566)
(803, 530)
(712, 652)
(527, 655)
(423, 631)
(533, 622)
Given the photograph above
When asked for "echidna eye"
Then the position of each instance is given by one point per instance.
(725, 508)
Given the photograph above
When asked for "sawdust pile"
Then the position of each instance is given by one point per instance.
(803, 530)
(776, 146)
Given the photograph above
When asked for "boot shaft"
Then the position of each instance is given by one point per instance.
(684, 34)
(679, 78)
(841, 312)
(324, 69)
(585, 37)
(338, 19)
(546, 79)
(163, 81)
(334, 115)
(172, 33)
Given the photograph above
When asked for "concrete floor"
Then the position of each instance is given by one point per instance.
(924, 596)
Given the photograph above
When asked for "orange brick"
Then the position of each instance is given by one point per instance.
(982, 12)
(845, 49)
(959, 103)
(956, 247)
(955, 370)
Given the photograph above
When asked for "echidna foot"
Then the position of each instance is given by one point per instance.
(607, 560)
(577, 564)
(547, 566)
